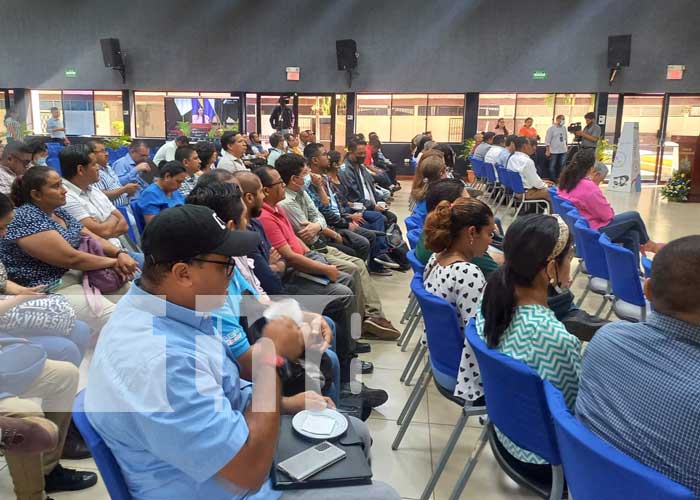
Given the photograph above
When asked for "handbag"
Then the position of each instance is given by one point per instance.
(50, 314)
(20, 364)
(98, 281)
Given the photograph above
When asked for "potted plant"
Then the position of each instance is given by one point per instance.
(467, 147)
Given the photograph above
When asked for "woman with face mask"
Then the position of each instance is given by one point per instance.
(516, 320)
(458, 232)
(40, 152)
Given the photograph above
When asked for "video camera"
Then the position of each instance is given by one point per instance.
(573, 128)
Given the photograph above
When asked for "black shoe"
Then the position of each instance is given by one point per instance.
(582, 325)
(386, 261)
(367, 367)
(373, 397)
(362, 347)
(75, 447)
(62, 479)
(380, 272)
(355, 406)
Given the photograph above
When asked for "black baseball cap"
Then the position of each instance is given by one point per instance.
(183, 232)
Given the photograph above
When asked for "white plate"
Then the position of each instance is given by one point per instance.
(320, 424)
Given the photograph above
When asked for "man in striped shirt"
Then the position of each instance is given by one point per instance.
(109, 182)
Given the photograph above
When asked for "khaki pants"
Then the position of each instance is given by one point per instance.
(365, 292)
(537, 194)
(56, 387)
(72, 289)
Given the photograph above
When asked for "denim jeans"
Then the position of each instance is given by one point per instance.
(59, 348)
(375, 221)
(628, 229)
(556, 164)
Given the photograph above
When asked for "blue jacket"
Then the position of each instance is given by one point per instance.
(352, 181)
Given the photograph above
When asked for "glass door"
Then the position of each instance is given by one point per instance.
(312, 112)
(682, 135)
(266, 105)
(647, 110)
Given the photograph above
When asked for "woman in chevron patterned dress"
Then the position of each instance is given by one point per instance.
(515, 319)
(457, 232)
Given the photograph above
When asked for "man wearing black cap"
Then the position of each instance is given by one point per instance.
(163, 393)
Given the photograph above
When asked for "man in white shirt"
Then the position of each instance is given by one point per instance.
(276, 148)
(55, 127)
(535, 187)
(556, 147)
(494, 152)
(167, 151)
(233, 147)
(88, 204)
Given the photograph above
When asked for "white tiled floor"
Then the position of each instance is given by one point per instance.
(408, 468)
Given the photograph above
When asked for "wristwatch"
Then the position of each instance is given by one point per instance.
(119, 252)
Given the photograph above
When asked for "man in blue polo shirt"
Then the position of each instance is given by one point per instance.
(163, 392)
(130, 166)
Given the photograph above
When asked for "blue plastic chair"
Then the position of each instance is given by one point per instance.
(596, 470)
(629, 302)
(587, 241)
(516, 404)
(54, 148)
(138, 216)
(516, 184)
(104, 459)
(412, 316)
(412, 222)
(52, 161)
(445, 342)
(413, 237)
(130, 232)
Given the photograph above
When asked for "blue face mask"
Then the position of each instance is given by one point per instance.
(40, 162)
(307, 181)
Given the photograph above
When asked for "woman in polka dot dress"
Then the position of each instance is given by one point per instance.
(457, 232)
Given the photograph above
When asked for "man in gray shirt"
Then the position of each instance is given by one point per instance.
(483, 148)
(55, 128)
(556, 147)
(591, 133)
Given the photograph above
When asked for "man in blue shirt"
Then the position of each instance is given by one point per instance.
(163, 392)
(108, 182)
(130, 166)
(640, 382)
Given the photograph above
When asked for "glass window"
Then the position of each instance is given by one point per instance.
(268, 103)
(251, 112)
(341, 111)
(109, 113)
(3, 113)
(373, 114)
(495, 106)
(646, 110)
(611, 117)
(575, 106)
(150, 114)
(539, 107)
(682, 131)
(408, 116)
(78, 112)
(445, 117)
(314, 113)
(42, 102)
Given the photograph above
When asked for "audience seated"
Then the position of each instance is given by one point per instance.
(509, 150)
(514, 318)
(520, 161)
(167, 151)
(255, 145)
(40, 152)
(189, 254)
(233, 148)
(291, 166)
(599, 173)
(358, 230)
(381, 162)
(432, 168)
(459, 231)
(89, 205)
(207, 156)
(46, 402)
(132, 167)
(14, 161)
(190, 160)
(497, 148)
(358, 182)
(277, 148)
(640, 381)
(41, 246)
(293, 144)
(626, 228)
(163, 193)
(485, 145)
(108, 181)
(306, 137)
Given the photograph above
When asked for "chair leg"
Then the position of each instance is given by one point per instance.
(602, 306)
(449, 448)
(612, 308)
(412, 318)
(583, 295)
(470, 465)
(578, 270)
(557, 483)
(409, 306)
(515, 216)
(414, 393)
(411, 361)
(416, 364)
(423, 386)
(410, 333)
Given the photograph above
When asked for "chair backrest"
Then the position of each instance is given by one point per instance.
(595, 469)
(516, 182)
(476, 164)
(131, 232)
(624, 272)
(567, 206)
(138, 216)
(515, 399)
(417, 266)
(591, 250)
(412, 222)
(413, 237)
(502, 176)
(52, 161)
(490, 172)
(442, 329)
(556, 200)
(109, 468)
(54, 148)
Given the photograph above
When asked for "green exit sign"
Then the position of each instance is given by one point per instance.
(539, 75)
(71, 72)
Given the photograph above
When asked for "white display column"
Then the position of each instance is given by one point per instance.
(625, 174)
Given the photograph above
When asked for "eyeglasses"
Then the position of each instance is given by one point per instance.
(274, 184)
(230, 264)
(24, 161)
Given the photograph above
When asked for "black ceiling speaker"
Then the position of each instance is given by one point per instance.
(112, 56)
(346, 50)
(619, 49)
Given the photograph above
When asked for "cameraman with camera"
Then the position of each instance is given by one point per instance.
(591, 133)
